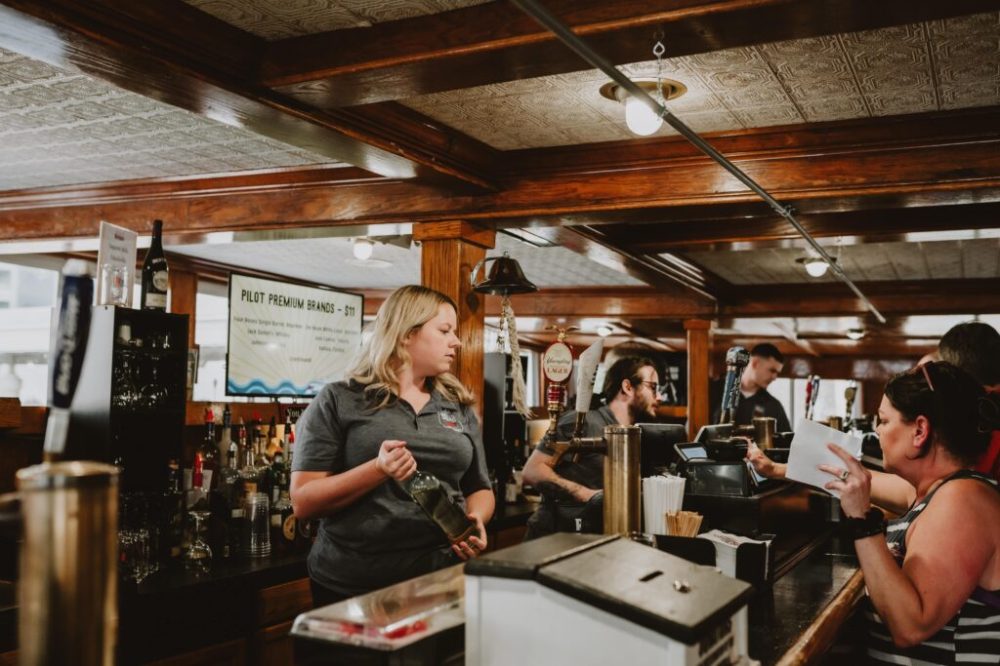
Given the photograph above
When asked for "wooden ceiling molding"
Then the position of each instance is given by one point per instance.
(768, 230)
(947, 158)
(892, 298)
(140, 47)
(495, 42)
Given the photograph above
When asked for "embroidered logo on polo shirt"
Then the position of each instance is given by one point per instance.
(449, 419)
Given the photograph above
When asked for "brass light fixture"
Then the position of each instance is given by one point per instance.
(640, 118)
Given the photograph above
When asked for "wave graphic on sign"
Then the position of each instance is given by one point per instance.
(256, 386)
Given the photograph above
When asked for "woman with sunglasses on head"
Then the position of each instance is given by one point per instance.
(400, 410)
(932, 575)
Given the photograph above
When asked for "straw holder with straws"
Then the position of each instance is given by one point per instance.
(662, 498)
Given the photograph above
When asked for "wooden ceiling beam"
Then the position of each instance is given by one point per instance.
(948, 158)
(147, 49)
(972, 296)
(768, 230)
(495, 42)
(633, 303)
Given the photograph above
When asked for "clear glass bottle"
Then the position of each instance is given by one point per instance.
(431, 496)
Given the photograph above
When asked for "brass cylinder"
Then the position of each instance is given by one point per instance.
(763, 431)
(67, 595)
(622, 485)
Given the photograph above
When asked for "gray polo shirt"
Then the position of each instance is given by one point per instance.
(384, 537)
(589, 469)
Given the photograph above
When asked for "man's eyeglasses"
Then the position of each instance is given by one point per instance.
(653, 386)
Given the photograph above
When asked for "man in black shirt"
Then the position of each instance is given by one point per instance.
(765, 364)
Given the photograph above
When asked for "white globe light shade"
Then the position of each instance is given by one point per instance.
(816, 267)
(640, 118)
(604, 331)
(363, 249)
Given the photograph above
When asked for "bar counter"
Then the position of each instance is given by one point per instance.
(220, 616)
(244, 607)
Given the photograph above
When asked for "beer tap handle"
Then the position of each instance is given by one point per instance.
(68, 348)
(736, 360)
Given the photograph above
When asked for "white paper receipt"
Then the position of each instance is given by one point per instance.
(808, 449)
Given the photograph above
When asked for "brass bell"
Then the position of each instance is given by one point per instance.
(505, 278)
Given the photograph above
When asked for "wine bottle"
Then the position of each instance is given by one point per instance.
(154, 273)
(431, 496)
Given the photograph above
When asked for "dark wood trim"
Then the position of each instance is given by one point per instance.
(496, 42)
(892, 298)
(819, 636)
(769, 230)
(941, 161)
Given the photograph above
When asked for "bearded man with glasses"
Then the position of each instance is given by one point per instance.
(572, 500)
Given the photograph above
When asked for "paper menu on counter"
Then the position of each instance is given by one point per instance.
(808, 449)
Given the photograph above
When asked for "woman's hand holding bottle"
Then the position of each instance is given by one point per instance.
(395, 460)
(475, 545)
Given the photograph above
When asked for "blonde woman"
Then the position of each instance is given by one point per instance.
(400, 410)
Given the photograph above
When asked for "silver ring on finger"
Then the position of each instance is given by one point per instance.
(844, 474)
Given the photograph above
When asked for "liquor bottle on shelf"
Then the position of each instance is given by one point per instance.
(279, 473)
(249, 473)
(273, 444)
(173, 513)
(209, 452)
(288, 439)
(154, 273)
(430, 495)
(228, 503)
(265, 475)
(283, 531)
(240, 435)
(227, 422)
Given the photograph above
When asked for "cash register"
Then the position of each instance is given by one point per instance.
(721, 485)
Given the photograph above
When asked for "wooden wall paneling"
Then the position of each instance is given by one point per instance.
(449, 252)
(183, 298)
(699, 333)
(273, 646)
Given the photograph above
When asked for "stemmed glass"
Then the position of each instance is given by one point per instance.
(198, 556)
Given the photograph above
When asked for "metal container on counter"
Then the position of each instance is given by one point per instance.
(67, 593)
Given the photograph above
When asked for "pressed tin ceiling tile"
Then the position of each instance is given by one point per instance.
(92, 131)
(277, 19)
(915, 68)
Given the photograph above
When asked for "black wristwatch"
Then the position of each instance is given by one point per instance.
(873, 523)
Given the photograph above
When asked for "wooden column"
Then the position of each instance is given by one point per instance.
(699, 344)
(183, 297)
(449, 252)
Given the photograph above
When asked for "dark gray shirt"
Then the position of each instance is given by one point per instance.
(384, 537)
(589, 469)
